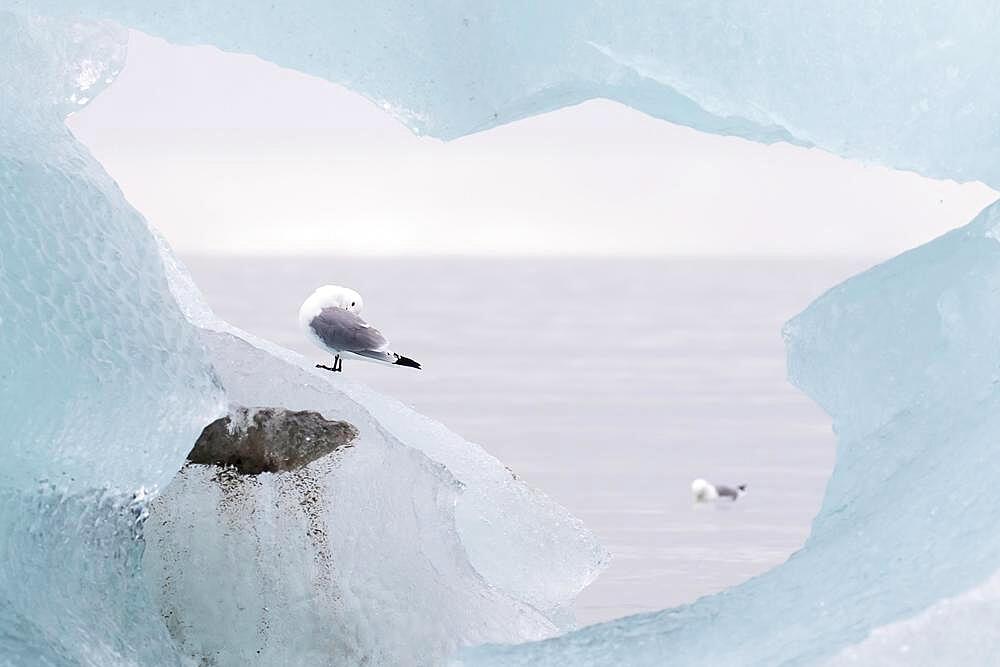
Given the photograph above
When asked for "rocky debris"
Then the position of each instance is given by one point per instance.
(256, 440)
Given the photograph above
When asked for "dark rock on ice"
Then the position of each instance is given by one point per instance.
(256, 440)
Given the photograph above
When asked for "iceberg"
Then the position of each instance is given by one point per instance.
(115, 553)
(95, 349)
(113, 365)
(903, 83)
(103, 382)
(372, 587)
(908, 520)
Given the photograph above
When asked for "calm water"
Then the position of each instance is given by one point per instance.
(609, 384)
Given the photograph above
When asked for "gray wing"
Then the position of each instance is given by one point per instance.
(727, 492)
(343, 331)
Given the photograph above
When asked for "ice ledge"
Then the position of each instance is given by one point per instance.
(907, 84)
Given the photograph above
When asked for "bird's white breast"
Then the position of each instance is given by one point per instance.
(703, 492)
(310, 310)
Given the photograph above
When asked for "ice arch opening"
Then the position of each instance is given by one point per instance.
(115, 364)
(235, 155)
(274, 177)
(939, 364)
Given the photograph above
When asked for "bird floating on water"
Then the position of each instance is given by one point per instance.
(704, 492)
(330, 319)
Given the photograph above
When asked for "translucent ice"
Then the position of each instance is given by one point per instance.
(416, 558)
(905, 358)
(355, 559)
(103, 382)
(71, 589)
(905, 83)
(105, 385)
(94, 348)
(104, 388)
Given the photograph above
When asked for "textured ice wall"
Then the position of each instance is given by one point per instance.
(94, 348)
(415, 556)
(762, 70)
(355, 561)
(103, 383)
(71, 590)
(906, 83)
(516, 537)
(958, 631)
(105, 386)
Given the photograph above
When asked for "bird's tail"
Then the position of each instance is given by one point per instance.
(406, 361)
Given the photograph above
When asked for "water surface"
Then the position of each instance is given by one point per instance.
(608, 383)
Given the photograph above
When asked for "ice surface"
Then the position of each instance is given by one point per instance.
(356, 558)
(910, 513)
(94, 347)
(906, 83)
(105, 385)
(957, 631)
(104, 388)
(410, 572)
(71, 590)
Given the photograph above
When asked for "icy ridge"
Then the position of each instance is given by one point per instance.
(105, 387)
(767, 71)
(103, 382)
(905, 359)
(515, 538)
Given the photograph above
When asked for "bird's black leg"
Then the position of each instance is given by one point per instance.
(338, 365)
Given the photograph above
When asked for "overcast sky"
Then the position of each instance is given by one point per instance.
(228, 154)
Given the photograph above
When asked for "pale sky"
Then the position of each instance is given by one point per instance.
(228, 154)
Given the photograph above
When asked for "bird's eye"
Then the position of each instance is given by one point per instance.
(352, 303)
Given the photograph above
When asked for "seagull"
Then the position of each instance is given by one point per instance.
(330, 319)
(704, 492)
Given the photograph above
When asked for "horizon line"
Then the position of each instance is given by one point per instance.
(278, 254)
